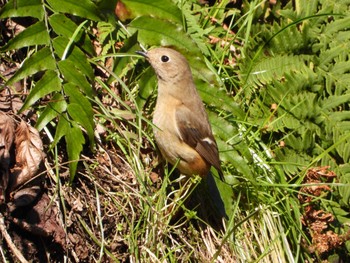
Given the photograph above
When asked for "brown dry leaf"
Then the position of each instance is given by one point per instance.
(317, 221)
(122, 12)
(29, 154)
(7, 134)
(325, 242)
(315, 176)
(154, 177)
(9, 101)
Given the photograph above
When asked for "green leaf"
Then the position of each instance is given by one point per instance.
(223, 128)
(344, 189)
(79, 115)
(34, 35)
(162, 9)
(65, 27)
(219, 99)
(75, 96)
(229, 155)
(82, 8)
(50, 82)
(271, 68)
(147, 84)
(340, 133)
(335, 101)
(22, 8)
(76, 57)
(339, 116)
(51, 111)
(227, 195)
(74, 142)
(80, 110)
(122, 65)
(39, 61)
(157, 32)
(73, 75)
(62, 129)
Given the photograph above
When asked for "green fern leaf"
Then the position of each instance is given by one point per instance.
(82, 8)
(76, 56)
(46, 85)
(34, 35)
(73, 75)
(52, 110)
(22, 8)
(80, 110)
(39, 61)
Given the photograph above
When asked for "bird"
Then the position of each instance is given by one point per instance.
(182, 130)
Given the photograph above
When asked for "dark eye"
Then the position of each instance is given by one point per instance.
(164, 58)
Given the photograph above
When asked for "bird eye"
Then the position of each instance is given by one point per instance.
(164, 58)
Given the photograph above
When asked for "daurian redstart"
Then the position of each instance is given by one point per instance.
(182, 130)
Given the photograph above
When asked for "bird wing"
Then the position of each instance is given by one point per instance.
(196, 132)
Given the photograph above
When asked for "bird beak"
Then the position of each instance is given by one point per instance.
(142, 53)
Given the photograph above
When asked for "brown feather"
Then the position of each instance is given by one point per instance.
(195, 134)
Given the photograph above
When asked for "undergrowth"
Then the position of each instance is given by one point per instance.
(274, 78)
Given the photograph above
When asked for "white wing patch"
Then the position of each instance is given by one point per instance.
(208, 140)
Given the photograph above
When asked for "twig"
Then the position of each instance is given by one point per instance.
(10, 244)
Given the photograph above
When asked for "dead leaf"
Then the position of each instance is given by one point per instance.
(122, 12)
(29, 154)
(9, 101)
(317, 221)
(7, 134)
